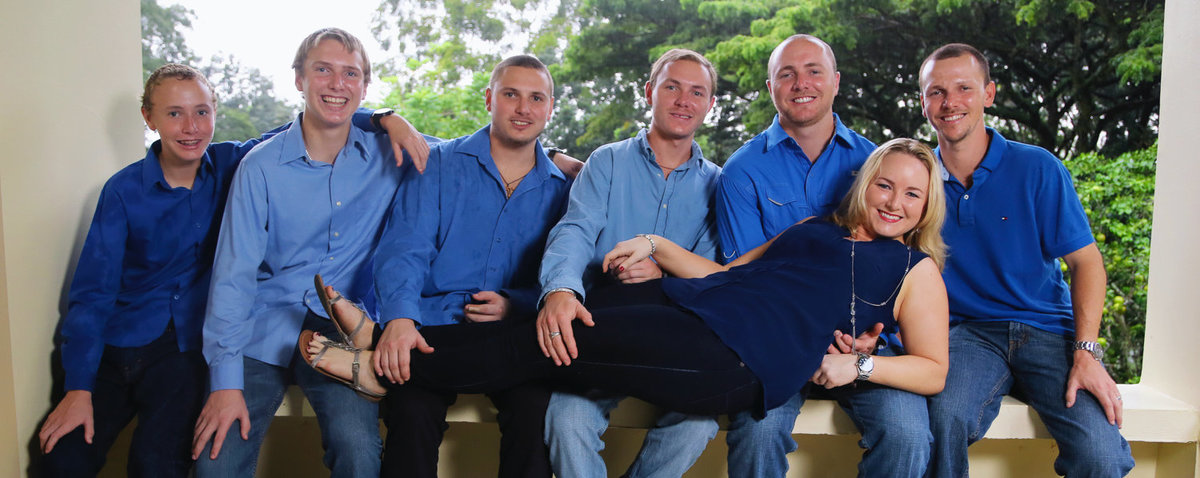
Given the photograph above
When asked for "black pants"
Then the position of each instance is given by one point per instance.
(652, 350)
(416, 414)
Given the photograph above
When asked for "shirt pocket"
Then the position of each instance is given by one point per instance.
(783, 207)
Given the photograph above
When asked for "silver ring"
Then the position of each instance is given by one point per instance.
(555, 334)
(1118, 398)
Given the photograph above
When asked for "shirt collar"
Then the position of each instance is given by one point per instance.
(479, 145)
(293, 142)
(152, 172)
(776, 134)
(997, 146)
(643, 145)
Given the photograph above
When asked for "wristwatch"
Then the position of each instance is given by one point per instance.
(550, 153)
(865, 365)
(378, 115)
(1094, 348)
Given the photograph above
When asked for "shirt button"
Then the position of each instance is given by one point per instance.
(966, 196)
(331, 258)
(339, 203)
(497, 240)
(336, 234)
(197, 225)
(664, 206)
(176, 296)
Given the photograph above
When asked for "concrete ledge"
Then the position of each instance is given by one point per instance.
(1150, 416)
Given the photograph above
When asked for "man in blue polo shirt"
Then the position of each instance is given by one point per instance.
(310, 200)
(1012, 213)
(463, 245)
(800, 166)
(655, 183)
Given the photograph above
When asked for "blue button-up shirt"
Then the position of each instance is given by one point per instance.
(453, 233)
(290, 217)
(146, 260)
(620, 193)
(769, 184)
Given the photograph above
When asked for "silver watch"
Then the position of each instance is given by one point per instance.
(1094, 348)
(865, 365)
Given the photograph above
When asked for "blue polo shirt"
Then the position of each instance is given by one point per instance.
(452, 233)
(769, 184)
(1005, 235)
(620, 193)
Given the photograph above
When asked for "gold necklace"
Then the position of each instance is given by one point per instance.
(511, 186)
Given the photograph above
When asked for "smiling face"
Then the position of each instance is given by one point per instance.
(954, 93)
(680, 97)
(182, 112)
(803, 82)
(333, 83)
(896, 197)
(521, 101)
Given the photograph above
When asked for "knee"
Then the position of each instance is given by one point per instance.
(1095, 460)
(574, 419)
(769, 436)
(911, 441)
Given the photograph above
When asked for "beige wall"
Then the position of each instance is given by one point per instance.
(70, 120)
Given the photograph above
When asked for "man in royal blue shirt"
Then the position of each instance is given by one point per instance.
(463, 245)
(1011, 214)
(800, 166)
(137, 299)
(310, 200)
(655, 183)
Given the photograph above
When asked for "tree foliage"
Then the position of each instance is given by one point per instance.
(443, 112)
(1118, 196)
(247, 106)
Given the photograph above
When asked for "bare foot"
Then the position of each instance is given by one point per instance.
(348, 316)
(339, 363)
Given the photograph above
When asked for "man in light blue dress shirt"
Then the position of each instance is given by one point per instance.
(310, 200)
(655, 183)
(800, 166)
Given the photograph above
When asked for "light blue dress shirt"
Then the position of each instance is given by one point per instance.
(290, 217)
(620, 193)
(769, 184)
(453, 233)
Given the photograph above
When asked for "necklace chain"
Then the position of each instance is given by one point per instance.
(854, 298)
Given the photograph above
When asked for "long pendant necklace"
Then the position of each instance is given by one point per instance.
(854, 291)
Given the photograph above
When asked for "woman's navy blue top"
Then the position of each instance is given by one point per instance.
(779, 312)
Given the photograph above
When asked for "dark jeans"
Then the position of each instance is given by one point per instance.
(653, 351)
(160, 385)
(416, 421)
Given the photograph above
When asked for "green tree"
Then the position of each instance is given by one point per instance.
(1118, 196)
(162, 36)
(443, 112)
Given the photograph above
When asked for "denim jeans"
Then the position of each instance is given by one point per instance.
(574, 424)
(987, 360)
(160, 385)
(759, 448)
(349, 424)
(894, 425)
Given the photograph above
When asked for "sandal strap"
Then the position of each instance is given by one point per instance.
(354, 371)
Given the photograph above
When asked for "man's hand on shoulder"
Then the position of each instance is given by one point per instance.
(1088, 374)
(554, 326)
(74, 410)
(393, 352)
(489, 306)
(567, 164)
(220, 410)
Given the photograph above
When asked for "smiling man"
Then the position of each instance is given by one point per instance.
(463, 246)
(1011, 216)
(800, 166)
(310, 200)
(655, 183)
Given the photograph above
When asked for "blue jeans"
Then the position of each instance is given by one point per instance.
(159, 384)
(894, 425)
(574, 424)
(349, 424)
(759, 448)
(987, 360)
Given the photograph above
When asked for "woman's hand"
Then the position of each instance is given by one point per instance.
(627, 253)
(836, 370)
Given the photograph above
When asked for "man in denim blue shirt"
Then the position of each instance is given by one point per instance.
(801, 166)
(1011, 214)
(463, 245)
(310, 200)
(655, 183)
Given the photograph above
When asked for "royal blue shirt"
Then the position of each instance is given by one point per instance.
(147, 260)
(290, 217)
(1005, 234)
(620, 192)
(453, 233)
(769, 184)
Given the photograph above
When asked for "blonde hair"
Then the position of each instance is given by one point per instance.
(350, 42)
(178, 72)
(926, 236)
(676, 54)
